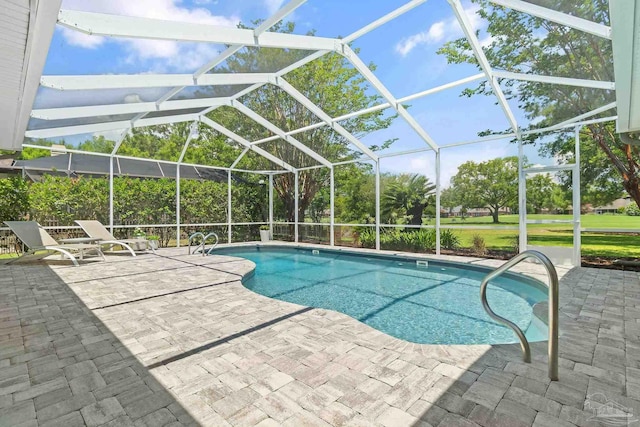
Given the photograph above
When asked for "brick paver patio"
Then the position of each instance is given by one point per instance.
(173, 339)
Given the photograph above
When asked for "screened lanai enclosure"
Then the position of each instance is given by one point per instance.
(277, 116)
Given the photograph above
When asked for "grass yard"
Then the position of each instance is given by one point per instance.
(593, 244)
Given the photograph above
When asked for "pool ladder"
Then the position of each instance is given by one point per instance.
(553, 308)
(203, 243)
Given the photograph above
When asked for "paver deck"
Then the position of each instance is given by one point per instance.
(172, 339)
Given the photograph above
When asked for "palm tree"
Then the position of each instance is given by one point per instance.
(407, 195)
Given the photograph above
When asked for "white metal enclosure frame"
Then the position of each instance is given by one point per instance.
(144, 28)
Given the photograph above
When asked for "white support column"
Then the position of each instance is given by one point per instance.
(178, 205)
(522, 199)
(271, 206)
(378, 204)
(111, 190)
(229, 216)
(193, 133)
(332, 219)
(297, 196)
(111, 194)
(577, 202)
(438, 192)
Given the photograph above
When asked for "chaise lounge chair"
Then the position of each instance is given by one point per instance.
(96, 230)
(36, 239)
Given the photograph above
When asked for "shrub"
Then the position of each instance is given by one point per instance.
(632, 210)
(448, 239)
(409, 240)
(478, 245)
(514, 242)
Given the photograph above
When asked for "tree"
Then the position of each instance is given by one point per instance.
(407, 195)
(540, 189)
(448, 199)
(560, 199)
(525, 44)
(492, 184)
(331, 84)
(355, 194)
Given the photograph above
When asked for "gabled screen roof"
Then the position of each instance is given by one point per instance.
(104, 70)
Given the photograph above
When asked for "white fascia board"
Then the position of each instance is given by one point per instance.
(240, 140)
(279, 132)
(377, 84)
(306, 102)
(109, 126)
(625, 22)
(134, 108)
(557, 17)
(594, 84)
(470, 34)
(155, 29)
(42, 25)
(127, 81)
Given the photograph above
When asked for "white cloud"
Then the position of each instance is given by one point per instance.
(445, 30)
(164, 53)
(273, 5)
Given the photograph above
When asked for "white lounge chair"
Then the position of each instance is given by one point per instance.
(36, 239)
(96, 230)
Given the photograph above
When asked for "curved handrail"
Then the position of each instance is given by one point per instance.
(193, 236)
(204, 241)
(553, 307)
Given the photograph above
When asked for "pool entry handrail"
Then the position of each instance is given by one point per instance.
(553, 307)
(203, 243)
(192, 237)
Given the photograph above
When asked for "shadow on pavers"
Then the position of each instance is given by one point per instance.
(59, 363)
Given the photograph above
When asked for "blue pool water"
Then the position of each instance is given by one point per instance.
(439, 304)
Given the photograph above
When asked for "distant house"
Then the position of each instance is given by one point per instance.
(613, 207)
(472, 212)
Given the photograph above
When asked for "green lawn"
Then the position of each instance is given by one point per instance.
(593, 244)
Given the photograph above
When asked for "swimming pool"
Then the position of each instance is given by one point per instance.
(438, 304)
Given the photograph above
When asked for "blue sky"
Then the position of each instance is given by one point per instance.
(404, 51)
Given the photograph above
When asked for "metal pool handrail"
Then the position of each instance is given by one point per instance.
(203, 243)
(193, 236)
(553, 308)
